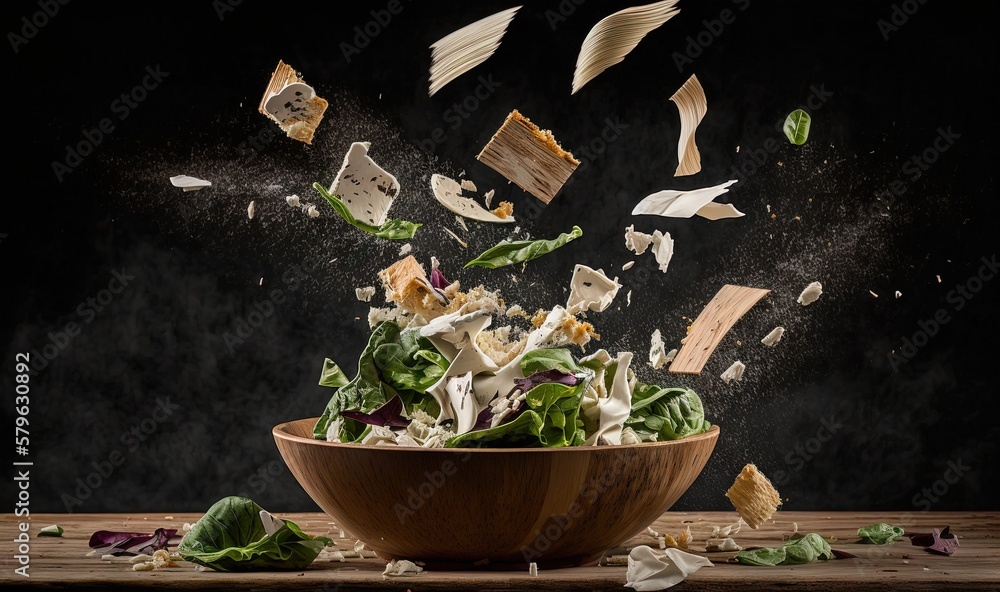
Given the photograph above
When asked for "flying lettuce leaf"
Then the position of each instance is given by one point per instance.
(238, 535)
(332, 375)
(880, 533)
(670, 413)
(809, 548)
(797, 126)
(391, 229)
(513, 252)
(557, 358)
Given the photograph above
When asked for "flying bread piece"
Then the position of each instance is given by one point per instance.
(407, 285)
(449, 193)
(707, 331)
(292, 104)
(529, 157)
(753, 496)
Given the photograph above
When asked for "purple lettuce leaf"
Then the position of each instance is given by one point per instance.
(526, 384)
(131, 543)
(484, 420)
(942, 542)
(438, 280)
(390, 414)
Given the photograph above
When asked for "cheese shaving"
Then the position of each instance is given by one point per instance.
(772, 338)
(810, 294)
(692, 106)
(734, 372)
(611, 39)
(466, 48)
(685, 204)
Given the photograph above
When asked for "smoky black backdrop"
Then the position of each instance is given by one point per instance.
(168, 332)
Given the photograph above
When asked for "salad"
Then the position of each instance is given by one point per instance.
(435, 374)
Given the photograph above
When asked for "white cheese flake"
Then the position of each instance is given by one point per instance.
(650, 570)
(533, 569)
(468, 185)
(591, 290)
(365, 294)
(312, 212)
(366, 189)
(448, 192)
(489, 201)
(685, 204)
(772, 338)
(250, 209)
(628, 265)
(734, 372)
(898, 294)
(657, 351)
(873, 293)
(663, 249)
(810, 294)
(635, 241)
(455, 236)
(293, 201)
(405, 250)
(189, 183)
(401, 568)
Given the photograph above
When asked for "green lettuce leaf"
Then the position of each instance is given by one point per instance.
(540, 360)
(797, 126)
(809, 548)
(391, 229)
(880, 533)
(332, 375)
(393, 363)
(513, 252)
(670, 413)
(231, 536)
(551, 420)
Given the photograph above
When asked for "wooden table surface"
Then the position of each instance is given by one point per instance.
(58, 563)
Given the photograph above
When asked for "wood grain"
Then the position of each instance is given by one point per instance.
(528, 157)
(458, 507)
(60, 562)
(707, 331)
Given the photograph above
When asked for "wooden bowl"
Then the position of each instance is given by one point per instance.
(493, 508)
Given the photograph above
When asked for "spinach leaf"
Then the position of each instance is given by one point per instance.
(391, 229)
(233, 536)
(513, 252)
(540, 360)
(809, 548)
(671, 413)
(880, 533)
(797, 126)
(412, 363)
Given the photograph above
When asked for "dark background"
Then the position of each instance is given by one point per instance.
(827, 414)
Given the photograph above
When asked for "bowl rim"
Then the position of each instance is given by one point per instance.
(280, 432)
